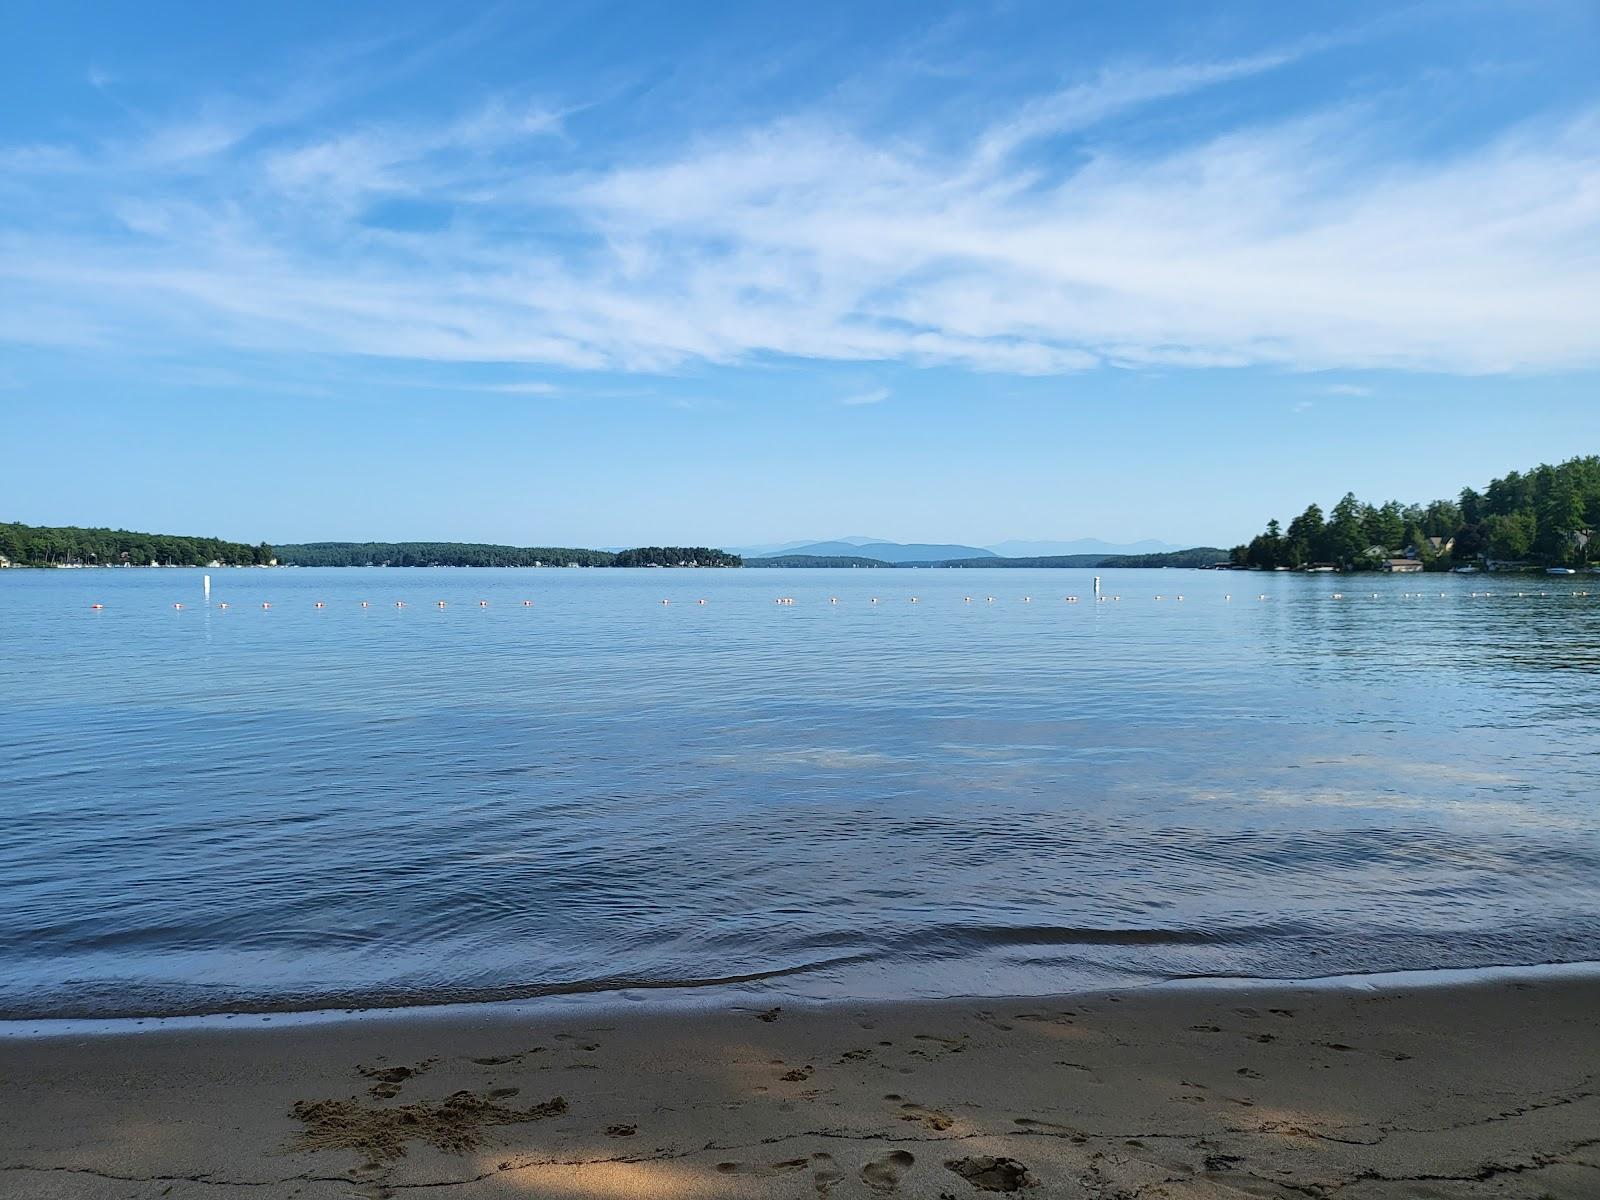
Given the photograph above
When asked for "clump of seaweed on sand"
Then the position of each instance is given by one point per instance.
(456, 1124)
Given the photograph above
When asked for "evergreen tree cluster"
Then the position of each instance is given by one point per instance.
(1546, 516)
(675, 556)
(69, 545)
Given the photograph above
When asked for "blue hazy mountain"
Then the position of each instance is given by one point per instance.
(894, 552)
(1016, 549)
(885, 550)
(770, 548)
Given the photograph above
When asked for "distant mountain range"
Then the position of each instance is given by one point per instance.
(891, 552)
(899, 552)
(1080, 546)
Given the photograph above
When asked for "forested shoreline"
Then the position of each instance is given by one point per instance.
(1542, 517)
(473, 554)
(75, 546)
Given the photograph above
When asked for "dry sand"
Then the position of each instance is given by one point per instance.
(1472, 1091)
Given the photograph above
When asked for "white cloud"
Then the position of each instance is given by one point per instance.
(874, 396)
(1309, 244)
(1346, 389)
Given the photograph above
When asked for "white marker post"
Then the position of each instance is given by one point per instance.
(1097, 585)
(206, 579)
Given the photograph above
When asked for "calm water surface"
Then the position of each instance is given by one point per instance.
(207, 810)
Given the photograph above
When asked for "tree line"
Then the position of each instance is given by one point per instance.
(72, 546)
(1542, 517)
(675, 556)
(475, 554)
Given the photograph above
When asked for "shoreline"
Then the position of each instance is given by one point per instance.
(757, 990)
(1378, 1091)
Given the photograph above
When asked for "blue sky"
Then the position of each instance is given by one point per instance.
(613, 273)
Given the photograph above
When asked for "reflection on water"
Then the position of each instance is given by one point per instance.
(208, 809)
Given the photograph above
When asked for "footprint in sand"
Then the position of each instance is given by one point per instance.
(501, 1060)
(798, 1075)
(1248, 1073)
(387, 1080)
(931, 1117)
(1205, 1028)
(1281, 1012)
(855, 1055)
(621, 1130)
(770, 1015)
(1064, 1017)
(763, 1170)
(824, 1175)
(988, 1018)
(883, 1174)
(990, 1174)
(948, 1045)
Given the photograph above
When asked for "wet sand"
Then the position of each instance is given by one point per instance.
(1485, 1090)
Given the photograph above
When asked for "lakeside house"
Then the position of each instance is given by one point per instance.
(4, 562)
(1402, 566)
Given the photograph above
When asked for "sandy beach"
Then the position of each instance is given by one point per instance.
(1481, 1090)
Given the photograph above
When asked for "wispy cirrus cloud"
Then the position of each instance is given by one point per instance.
(1320, 241)
(871, 396)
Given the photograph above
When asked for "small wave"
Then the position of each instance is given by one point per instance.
(963, 936)
(155, 1003)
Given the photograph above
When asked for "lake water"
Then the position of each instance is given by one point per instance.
(207, 809)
